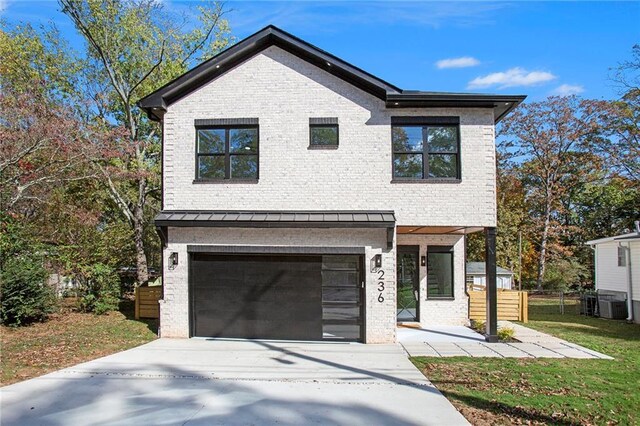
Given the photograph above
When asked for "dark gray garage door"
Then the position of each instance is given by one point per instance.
(276, 297)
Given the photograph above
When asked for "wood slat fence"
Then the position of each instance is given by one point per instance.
(147, 302)
(513, 305)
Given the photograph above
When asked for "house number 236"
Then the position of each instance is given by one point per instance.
(380, 285)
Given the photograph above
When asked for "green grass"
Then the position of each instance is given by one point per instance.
(67, 339)
(549, 391)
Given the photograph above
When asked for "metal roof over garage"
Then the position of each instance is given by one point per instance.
(276, 219)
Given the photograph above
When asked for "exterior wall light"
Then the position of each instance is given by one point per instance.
(423, 260)
(173, 259)
(377, 260)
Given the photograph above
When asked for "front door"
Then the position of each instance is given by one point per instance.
(408, 280)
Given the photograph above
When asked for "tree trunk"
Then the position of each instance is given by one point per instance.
(138, 232)
(543, 244)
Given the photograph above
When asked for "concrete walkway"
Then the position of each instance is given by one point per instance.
(234, 382)
(462, 341)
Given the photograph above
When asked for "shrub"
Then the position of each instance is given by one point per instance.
(478, 325)
(25, 297)
(505, 334)
(100, 289)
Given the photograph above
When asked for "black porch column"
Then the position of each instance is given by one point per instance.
(491, 334)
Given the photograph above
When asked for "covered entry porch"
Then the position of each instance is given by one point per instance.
(430, 276)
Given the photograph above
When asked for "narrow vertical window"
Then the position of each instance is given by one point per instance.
(439, 272)
(622, 256)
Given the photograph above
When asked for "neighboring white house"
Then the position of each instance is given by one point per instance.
(617, 269)
(477, 275)
(304, 198)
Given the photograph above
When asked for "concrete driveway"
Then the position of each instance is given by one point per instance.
(234, 382)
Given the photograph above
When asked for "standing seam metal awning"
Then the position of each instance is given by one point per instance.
(277, 219)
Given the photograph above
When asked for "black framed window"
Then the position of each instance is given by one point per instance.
(323, 132)
(440, 272)
(227, 152)
(426, 151)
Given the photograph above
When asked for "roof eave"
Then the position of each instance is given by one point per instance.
(502, 104)
(269, 36)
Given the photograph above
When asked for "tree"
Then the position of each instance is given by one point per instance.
(44, 141)
(133, 48)
(545, 141)
(622, 148)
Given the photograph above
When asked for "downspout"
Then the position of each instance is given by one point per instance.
(629, 282)
(630, 276)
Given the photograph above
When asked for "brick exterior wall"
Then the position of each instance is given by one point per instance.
(284, 91)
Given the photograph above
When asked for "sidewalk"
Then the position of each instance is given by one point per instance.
(532, 344)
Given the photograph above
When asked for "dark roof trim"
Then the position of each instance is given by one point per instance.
(277, 219)
(156, 103)
(502, 104)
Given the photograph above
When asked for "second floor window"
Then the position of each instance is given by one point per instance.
(425, 152)
(323, 132)
(229, 152)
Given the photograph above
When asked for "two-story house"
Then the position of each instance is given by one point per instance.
(304, 198)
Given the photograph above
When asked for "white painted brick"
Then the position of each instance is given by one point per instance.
(283, 91)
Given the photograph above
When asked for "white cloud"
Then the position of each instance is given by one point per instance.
(568, 89)
(463, 62)
(511, 78)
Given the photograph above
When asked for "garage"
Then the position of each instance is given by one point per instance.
(276, 296)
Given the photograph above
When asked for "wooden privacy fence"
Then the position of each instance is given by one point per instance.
(512, 305)
(147, 302)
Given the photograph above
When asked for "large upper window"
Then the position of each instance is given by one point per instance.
(426, 151)
(227, 152)
(439, 272)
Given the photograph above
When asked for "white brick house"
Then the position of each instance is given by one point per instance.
(304, 198)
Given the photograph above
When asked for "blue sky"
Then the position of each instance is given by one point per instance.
(532, 48)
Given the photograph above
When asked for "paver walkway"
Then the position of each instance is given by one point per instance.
(465, 342)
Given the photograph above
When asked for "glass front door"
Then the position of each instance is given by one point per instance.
(408, 280)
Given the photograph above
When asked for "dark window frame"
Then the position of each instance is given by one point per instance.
(324, 122)
(227, 152)
(425, 123)
(442, 249)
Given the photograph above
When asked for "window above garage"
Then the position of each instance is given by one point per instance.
(426, 148)
(226, 150)
(323, 133)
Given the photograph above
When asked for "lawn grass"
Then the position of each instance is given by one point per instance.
(549, 391)
(67, 339)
